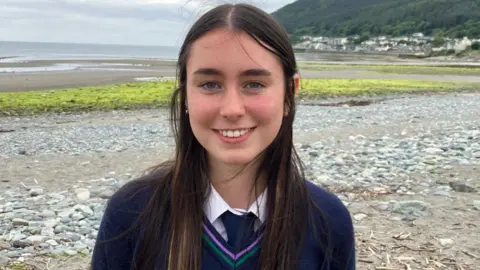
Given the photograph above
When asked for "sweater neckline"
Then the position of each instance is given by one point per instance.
(220, 246)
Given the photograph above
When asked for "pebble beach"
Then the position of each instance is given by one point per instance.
(403, 162)
(406, 166)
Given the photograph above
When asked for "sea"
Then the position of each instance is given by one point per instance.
(25, 52)
(14, 51)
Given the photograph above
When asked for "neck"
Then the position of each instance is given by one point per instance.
(236, 184)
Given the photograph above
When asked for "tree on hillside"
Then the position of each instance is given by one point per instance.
(476, 46)
(455, 18)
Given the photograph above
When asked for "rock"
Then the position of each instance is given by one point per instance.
(18, 236)
(66, 212)
(52, 243)
(21, 243)
(4, 261)
(80, 246)
(50, 223)
(445, 242)
(83, 194)
(442, 193)
(106, 194)
(433, 151)
(19, 222)
(84, 231)
(360, 216)
(58, 229)
(339, 161)
(72, 236)
(57, 196)
(322, 178)
(4, 245)
(461, 187)
(77, 216)
(84, 209)
(413, 208)
(35, 230)
(70, 252)
(383, 206)
(35, 192)
(476, 205)
(36, 239)
(58, 252)
(47, 213)
(48, 231)
(65, 220)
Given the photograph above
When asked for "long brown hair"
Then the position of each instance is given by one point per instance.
(179, 187)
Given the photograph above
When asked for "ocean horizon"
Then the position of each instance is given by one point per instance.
(22, 51)
(13, 51)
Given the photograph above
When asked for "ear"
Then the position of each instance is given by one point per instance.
(296, 88)
(296, 81)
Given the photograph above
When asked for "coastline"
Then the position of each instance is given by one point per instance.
(71, 73)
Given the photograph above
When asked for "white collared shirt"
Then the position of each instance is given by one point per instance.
(215, 206)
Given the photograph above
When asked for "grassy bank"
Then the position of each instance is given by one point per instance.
(122, 96)
(394, 69)
(157, 94)
(316, 88)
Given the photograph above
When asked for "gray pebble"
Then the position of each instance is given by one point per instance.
(47, 213)
(65, 220)
(476, 205)
(70, 252)
(36, 192)
(19, 222)
(4, 261)
(442, 193)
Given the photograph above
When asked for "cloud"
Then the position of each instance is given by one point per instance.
(143, 22)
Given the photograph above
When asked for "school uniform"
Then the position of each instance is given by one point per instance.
(231, 237)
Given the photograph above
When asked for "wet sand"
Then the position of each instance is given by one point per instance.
(103, 72)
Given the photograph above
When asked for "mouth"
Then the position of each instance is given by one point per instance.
(234, 135)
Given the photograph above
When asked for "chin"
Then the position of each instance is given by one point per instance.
(237, 160)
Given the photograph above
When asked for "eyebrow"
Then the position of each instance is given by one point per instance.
(246, 73)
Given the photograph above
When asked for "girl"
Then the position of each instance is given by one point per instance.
(234, 195)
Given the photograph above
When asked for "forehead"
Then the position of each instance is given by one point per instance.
(230, 51)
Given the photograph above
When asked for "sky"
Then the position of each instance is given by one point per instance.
(136, 22)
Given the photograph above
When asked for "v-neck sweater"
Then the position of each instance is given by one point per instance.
(217, 254)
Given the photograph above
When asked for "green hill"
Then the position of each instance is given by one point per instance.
(451, 18)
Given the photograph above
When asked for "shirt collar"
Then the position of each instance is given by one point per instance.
(215, 206)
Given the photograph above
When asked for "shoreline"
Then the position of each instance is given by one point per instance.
(64, 73)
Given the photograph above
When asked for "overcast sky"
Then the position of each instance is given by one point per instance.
(142, 22)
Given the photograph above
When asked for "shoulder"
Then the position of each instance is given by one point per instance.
(118, 236)
(329, 203)
(125, 205)
(332, 217)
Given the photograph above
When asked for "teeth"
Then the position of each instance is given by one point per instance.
(234, 133)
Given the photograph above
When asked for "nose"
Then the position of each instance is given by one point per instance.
(232, 104)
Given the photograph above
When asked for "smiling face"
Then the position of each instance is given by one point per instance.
(235, 96)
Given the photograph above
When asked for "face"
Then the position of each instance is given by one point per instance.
(235, 96)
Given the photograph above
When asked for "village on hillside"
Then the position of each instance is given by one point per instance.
(415, 44)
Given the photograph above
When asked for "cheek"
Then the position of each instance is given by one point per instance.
(201, 110)
(267, 108)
